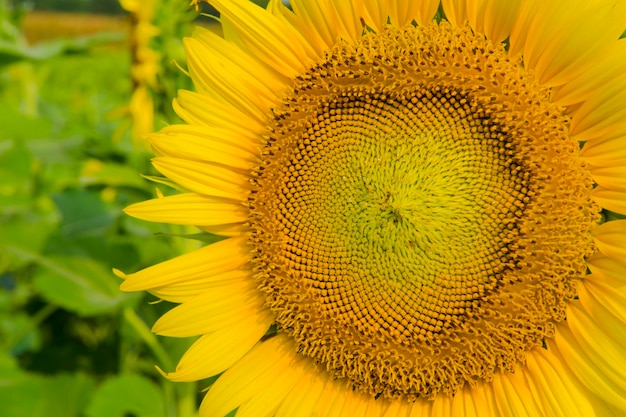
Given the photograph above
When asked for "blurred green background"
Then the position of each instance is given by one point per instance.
(77, 93)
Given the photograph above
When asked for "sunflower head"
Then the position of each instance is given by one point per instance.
(417, 208)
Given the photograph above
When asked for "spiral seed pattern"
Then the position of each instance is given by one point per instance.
(419, 213)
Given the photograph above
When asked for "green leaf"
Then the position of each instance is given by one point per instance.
(83, 212)
(127, 395)
(66, 395)
(80, 285)
(31, 395)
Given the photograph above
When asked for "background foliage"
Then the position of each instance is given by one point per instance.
(72, 344)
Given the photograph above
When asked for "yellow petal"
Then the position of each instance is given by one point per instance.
(555, 388)
(217, 76)
(250, 376)
(267, 401)
(609, 199)
(606, 267)
(561, 40)
(192, 270)
(278, 45)
(268, 84)
(309, 33)
(421, 408)
(610, 238)
(189, 209)
(496, 18)
(596, 360)
(475, 401)
(601, 75)
(215, 352)
(513, 395)
(199, 143)
(188, 289)
(222, 306)
(230, 122)
(603, 114)
(604, 299)
(303, 397)
(204, 178)
(330, 20)
(455, 11)
(610, 151)
(399, 12)
(613, 177)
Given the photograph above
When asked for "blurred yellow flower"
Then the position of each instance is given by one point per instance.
(411, 225)
(145, 66)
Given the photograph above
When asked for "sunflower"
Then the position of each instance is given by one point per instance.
(421, 203)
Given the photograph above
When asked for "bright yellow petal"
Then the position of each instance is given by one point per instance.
(555, 388)
(606, 267)
(593, 357)
(198, 143)
(230, 122)
(250, 376)
(399, 12)
(245, 67)
(496, 18)
(455, 11)
(604, 299)
(189, 209)
(302, 399)
(331, 20)
(609, 199)
(513, 395)
(603, 114)
(610, 238)
(204, 178)
(214, 71)
(215, 352)
(476, 401)
(561, 40)
(275, 43)
(600, 76)
(607, 152)
(222, 306)
(612, 177)
(191, 271)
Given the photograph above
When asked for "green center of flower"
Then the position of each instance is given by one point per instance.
(419, 213)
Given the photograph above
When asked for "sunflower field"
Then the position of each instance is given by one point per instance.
(77, 93)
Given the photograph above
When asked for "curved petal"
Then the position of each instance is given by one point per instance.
(610, 151)
(495, 18)
(267, 38)
(213, 76)
(610, 238)
(612, 177)
(602, 74)
(217, 351)
(204, 178)
(399, 12)
(197, 109)
(597, 361)
(271, 360)
(513, 395)
(555, 388)
(198, 143)
(455, 11)
(561, 40)
(609, 199)
(189, 209)
(331, 20)
(222, 306)
(188, 275)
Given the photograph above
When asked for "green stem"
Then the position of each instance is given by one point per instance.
(148, 337)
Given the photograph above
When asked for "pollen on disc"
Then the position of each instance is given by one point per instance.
(403, 206)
